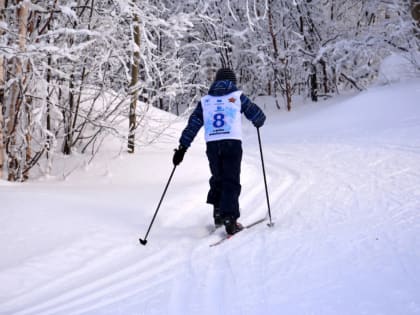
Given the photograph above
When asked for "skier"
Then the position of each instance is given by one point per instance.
(220, 113)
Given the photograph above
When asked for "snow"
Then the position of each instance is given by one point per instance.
(69, 12)
(399, 67)
(344, 183)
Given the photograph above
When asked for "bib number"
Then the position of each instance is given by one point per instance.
(218, 120)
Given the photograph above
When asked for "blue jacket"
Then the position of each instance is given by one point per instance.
(251, 111)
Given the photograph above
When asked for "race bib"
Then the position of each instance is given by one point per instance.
(222, 116)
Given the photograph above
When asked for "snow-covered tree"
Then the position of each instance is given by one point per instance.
(69, 73)
(73, 72)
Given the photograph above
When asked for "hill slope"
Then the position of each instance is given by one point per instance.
(344, 182)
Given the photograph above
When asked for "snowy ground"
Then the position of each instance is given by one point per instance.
(344, 182)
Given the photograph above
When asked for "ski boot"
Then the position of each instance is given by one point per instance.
(218, 221)
(231, 226)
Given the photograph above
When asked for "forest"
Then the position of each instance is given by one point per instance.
(75, 72)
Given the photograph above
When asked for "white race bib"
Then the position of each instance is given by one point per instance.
(222, 116)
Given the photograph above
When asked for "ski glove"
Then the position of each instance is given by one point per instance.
(259, 121)
(179, 155)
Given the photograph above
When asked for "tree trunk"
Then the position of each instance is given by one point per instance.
(48, 110)
(271, 29)
(16, 98)
(11, 113)
(2, 82)
(314, 84)
(415, 11)
(288, 88)
(68, 119)
(325, 76)
(1, 114)
(133, 85)
(28, 134)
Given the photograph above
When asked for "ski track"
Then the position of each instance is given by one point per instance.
(200, 281)
(316, 228)
(74, 297)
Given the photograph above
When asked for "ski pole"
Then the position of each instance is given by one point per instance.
(270, 224)
(144, 241)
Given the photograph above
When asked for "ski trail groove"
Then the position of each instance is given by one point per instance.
(129, 280)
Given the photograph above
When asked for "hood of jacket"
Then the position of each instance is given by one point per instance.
(220, 88)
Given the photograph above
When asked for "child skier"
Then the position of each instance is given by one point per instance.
(220, 113)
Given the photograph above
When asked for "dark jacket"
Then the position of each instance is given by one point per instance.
(219, 88)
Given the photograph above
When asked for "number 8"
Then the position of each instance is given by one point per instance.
(218, 120)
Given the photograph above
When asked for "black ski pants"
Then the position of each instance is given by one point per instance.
(225, 158)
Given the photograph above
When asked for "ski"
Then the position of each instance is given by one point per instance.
(226, 236)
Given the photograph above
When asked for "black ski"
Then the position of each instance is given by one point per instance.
(226, 237)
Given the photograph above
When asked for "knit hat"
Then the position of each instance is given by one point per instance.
(225, 74)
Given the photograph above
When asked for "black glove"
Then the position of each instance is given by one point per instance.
(259, 121)
(179, 155)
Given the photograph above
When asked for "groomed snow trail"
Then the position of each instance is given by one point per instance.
(344, 187)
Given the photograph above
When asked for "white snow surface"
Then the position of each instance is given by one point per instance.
(344, 184)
